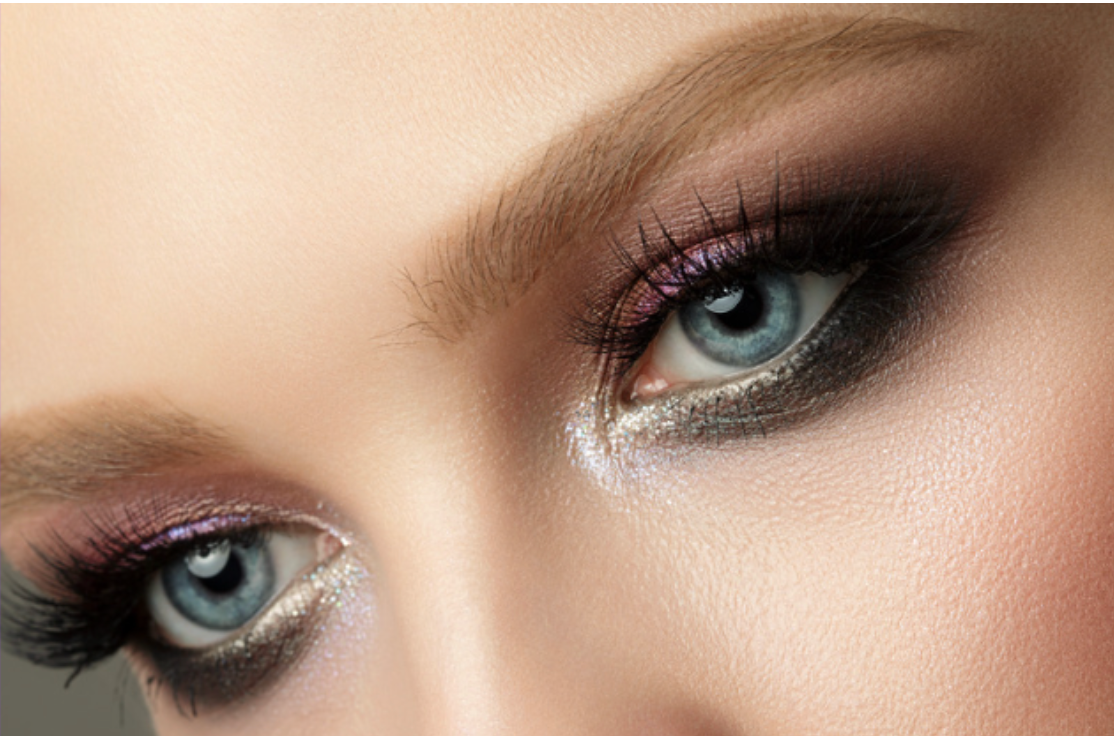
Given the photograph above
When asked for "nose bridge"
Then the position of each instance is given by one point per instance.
(453, 576)
(445, 590)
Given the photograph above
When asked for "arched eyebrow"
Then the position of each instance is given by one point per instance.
(584, 178)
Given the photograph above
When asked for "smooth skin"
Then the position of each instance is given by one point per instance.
(224, 211)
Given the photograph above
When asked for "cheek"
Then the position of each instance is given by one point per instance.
(1051, 574)
(1009, 545)
(957, 571)
(1021, 515)
(942, 558)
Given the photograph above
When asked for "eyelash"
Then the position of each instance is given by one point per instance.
(101, 582)
(887, 228)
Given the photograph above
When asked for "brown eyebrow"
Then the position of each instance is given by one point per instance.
(584, 177)
(66, 455)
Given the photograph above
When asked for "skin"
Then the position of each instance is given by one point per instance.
(211, 209)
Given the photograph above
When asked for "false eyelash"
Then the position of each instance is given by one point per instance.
(883, 222)
(91, 607)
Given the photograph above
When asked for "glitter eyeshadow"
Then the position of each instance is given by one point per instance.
(274, 642)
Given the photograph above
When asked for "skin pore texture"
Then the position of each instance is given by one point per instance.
(329, 269)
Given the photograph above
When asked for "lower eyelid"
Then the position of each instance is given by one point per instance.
(274, 642)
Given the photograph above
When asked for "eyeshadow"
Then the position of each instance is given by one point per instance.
(92, 579)
(245, 667)
(888, 227)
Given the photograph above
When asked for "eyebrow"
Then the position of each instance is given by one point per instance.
(577, 183)
(583, 178)
(74, 454)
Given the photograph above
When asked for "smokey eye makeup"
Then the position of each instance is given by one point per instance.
(212, 607)
(760, 312)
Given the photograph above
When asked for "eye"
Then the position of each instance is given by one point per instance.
(205, 596)
(744, 329)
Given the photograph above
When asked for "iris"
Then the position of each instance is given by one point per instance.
(222, 586)
(749, 325)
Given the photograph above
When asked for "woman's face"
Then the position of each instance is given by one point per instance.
(609, 370)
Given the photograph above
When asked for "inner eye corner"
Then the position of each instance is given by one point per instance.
(329, 544)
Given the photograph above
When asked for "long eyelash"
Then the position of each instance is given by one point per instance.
(92, 607)
(882, 221)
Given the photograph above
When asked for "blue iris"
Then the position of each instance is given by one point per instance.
(223, 586)
(749, 325)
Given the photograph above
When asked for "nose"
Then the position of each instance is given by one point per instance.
(499, 630)
(501, 613)
(473, 608)
(515, 592)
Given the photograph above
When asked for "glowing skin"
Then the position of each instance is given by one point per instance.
(220, 210)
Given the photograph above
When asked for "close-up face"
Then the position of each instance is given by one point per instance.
(609, 370)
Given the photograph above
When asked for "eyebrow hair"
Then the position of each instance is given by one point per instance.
(583, 178)
(56, 455)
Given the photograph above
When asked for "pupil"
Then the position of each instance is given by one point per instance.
(228, 579)
(745, 315)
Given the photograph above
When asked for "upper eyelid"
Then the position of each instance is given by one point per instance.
(160, 517)
(729, 238)
(138, 539)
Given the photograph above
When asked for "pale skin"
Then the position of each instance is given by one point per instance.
(236, 215)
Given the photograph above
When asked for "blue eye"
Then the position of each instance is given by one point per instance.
(205, 596)
(749, 325)
(738, 333)
(221, 587)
